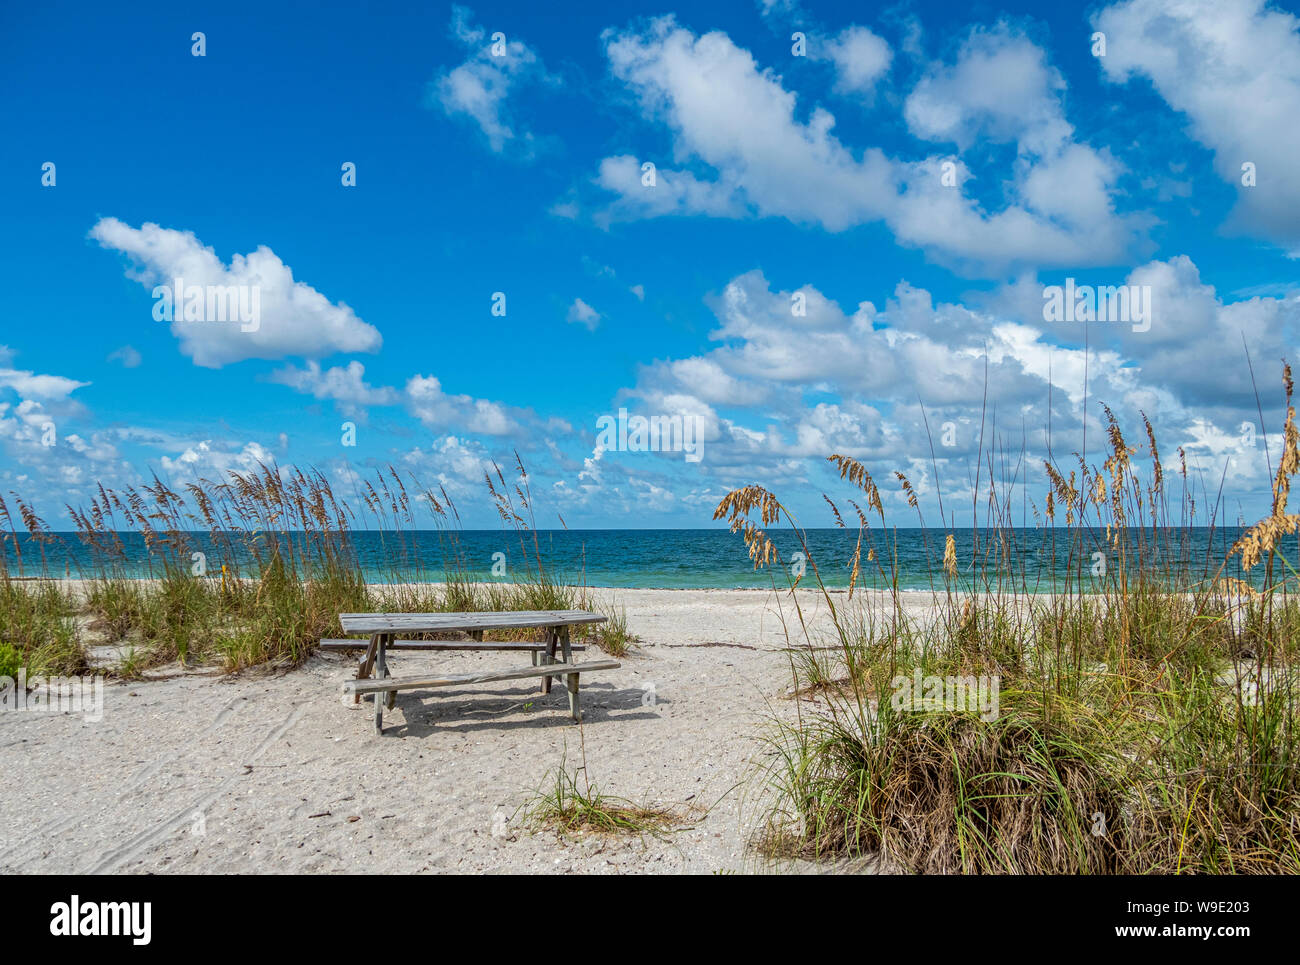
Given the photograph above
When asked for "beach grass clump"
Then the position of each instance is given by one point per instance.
(1144, 712)
(11, 660)
(117, 605)
(37, 626)
(252, 568)
(950, 793)
(1221, 789)
(569, 804)
(612, 636)
(177, 616)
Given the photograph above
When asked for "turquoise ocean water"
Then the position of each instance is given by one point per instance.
(672, 558)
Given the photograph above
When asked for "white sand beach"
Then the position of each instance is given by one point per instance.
(198, 772)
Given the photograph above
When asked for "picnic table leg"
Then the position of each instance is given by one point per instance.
(383, 650)
(383, 698)
(367, 663)
(570, 680)
(574, 709)
(552, 638)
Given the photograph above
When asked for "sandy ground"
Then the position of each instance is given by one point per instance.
(202, 773)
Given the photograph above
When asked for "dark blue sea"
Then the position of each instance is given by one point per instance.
(1037, 559)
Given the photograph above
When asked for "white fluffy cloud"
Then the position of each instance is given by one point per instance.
(295, 319)
(1191, 325)
(580, 313)
(455, 463)
(423, 397)
(861, 59)
(783, 388)
(480, 87)
(436, 409)
(30, 385)
(1233, 67)
(1000, 87)
(668, 193)
(211, 459)
(345, 386)
(738, 120)
(42, 454)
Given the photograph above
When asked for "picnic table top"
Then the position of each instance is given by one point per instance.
(501, 620)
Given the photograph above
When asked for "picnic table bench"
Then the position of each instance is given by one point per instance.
(387, 630)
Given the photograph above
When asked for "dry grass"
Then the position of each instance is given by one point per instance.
(275, 566)
(1147, 718)
(569, 803)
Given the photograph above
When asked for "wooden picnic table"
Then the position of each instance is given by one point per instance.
(385, 629)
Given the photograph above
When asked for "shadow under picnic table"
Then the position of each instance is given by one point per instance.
(426, 712)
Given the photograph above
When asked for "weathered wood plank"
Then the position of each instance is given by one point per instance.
(552, 638)
(566, 650)
(473, 622)
(485, 645)
(367, 662)
(382, 666)
(575, 709)
(414, 683)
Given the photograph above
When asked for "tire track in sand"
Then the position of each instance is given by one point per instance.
(57, 826)
(115, 857)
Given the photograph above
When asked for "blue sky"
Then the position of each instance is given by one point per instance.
(814, 177)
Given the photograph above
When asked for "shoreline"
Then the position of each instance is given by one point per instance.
(938, 594)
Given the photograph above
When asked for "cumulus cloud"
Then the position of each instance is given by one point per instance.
(999, 87)
(738, 119)
(480, 88)
(738, 123)
(436, 409)
(42, 454)
(345, 386)
(1190, 324)
(860, 56)
(295, 319)
(670, 192)
(581, 313)
(212, 458)
(31, 385)
(861, 59)
(422, 397)
(1233, 68)
(885, 383)
(455, 463)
